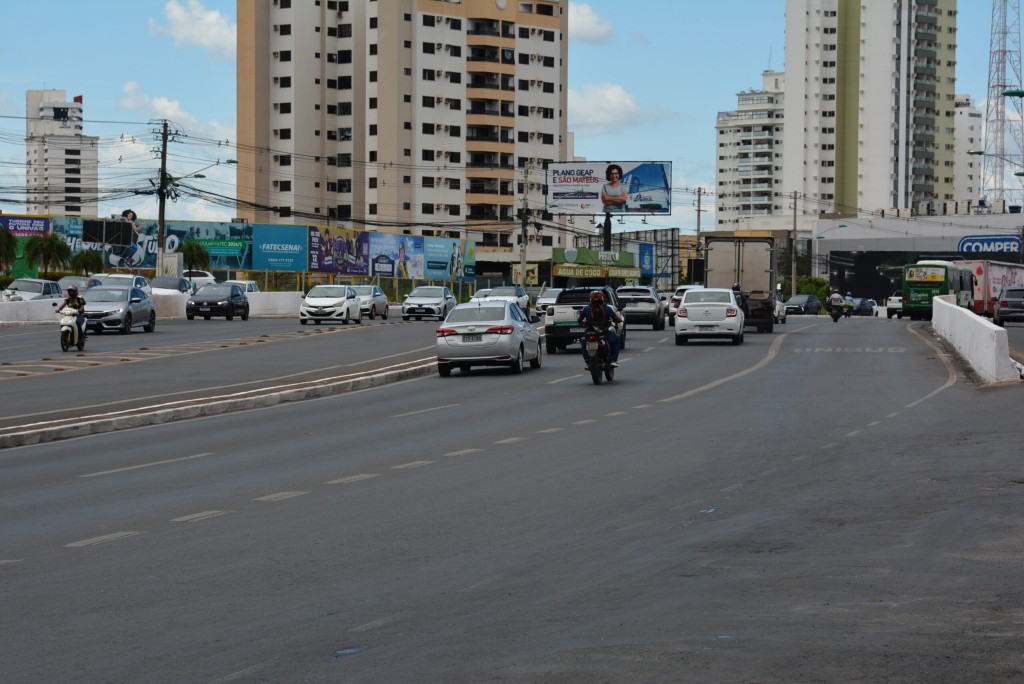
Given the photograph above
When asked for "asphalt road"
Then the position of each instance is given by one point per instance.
(829, 503)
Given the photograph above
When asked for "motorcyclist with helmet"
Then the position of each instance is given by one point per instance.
(603, 316)
(75, 301)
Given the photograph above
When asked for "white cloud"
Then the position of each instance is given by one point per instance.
(194, 25)
(603, 108)
(585, 25)
(165, 108)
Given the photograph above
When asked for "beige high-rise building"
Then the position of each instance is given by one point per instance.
(870, 104)
(425, 116)
(62, 164)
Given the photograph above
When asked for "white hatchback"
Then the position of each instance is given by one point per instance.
(330, 304)
(709, 312)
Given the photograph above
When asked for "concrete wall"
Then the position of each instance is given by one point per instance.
(168, 306)
(982, 343)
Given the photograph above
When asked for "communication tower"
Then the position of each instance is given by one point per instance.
(1003, 136)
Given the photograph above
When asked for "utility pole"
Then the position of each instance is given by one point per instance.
(792, 253)
(524, 218)
(162, 197)
(697, 249)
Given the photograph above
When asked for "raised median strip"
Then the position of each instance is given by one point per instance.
(81, 426)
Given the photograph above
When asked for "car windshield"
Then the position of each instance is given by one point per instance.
(77, 281)
(363, 290)
(477, 314)
(634, 293)
(25, 285)
(799, 299)
(504, 292)
(214, 291)
(104, 294)
(335, 291)
(550, 293)
(434, 292)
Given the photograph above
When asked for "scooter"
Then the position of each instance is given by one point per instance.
(600, 354)
(69, 329)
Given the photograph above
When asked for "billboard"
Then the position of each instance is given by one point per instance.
(610, 187)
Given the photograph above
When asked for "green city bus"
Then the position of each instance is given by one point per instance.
(928, 279)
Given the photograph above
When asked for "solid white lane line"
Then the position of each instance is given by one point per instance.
(463, 452)
(147, 465)
(379, 623)
(547, 431)
(616, 413)
(279, 496)
(353, 478)
(9, 562)
(101, 540)
(427, 410)
(510, 440)
(588, 421)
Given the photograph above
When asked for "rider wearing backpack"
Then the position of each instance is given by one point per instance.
(604, 317)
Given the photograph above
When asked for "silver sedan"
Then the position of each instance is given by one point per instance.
(487, 333)
(372, 301)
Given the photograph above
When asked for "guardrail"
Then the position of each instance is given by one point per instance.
(982, 343)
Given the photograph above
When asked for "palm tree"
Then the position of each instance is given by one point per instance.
(8, 248)
(195, 255)
(86, 262)
(46, 250)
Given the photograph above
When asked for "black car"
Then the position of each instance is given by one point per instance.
(862, 306)
(642, 304)
(803, 304)
(1009, 306)
(218, 299)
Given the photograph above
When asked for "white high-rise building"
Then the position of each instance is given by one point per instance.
(870, 104)
(969, 138)
(62, 164)
(405, 115)
(749, 149)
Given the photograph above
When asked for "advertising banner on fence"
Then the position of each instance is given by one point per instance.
(25, 226)
(279, 248)
(448, 259)
(610, 187)
(396, 256)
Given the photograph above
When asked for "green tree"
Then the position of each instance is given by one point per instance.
(47, 250)
(195, 255)
(8, 248)
(87, 262)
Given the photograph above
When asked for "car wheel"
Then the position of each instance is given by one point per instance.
(552, 347)
(738, 339)
(230, 315)
(206, 318)
(444, 370)
(384, 315)
(303, 321)
(681, 340)
(671, 320)
(192, 317)
(899, 316)
(517, 364)
(127, 328)
(405, 318)
(151, 326)
(245, 314)
(316, 322)
(359, 318)
(998, 322)
(535, 362)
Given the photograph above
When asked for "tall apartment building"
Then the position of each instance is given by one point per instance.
(749, 147)
(62, 164)
(870, 104)
(969, 137)
(428, 116)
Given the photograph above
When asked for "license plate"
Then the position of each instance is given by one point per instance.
(418, 309)
(576, 331)
(472, 338)
(204, 308)
(592, 346)
(707, 328)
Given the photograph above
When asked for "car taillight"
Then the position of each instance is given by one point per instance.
(675, 301)
(501, 329)
(550, 311)
(681, 312)
(1003, 302)
(730, 312)
(445, 332)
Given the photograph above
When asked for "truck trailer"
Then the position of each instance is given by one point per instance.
(748, 262)
(990, 277)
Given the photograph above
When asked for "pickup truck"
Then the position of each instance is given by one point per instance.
(894, 305)
(561, 326)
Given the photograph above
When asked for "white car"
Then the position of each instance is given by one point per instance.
(428, 301)
(709, 312)
(546, 299)
(124, 279)
(199, 278)
(24, 289)
(248, 286)
(511, 293)
(480, 294)
(330, 304)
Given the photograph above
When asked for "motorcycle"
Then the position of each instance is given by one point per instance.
(69, 329)
(600, 354)
(835, 311)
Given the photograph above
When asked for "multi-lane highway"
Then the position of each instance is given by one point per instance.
(831, 502)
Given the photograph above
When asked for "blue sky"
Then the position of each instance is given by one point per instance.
(646, 81)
